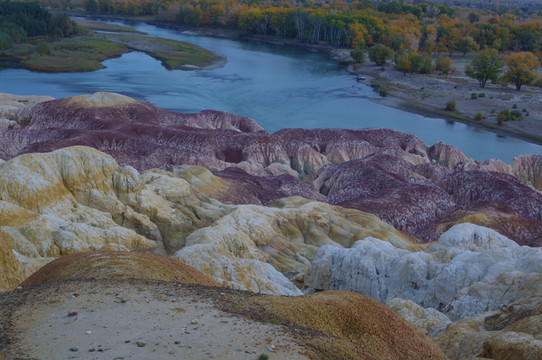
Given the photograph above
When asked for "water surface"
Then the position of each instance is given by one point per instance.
(278, 86)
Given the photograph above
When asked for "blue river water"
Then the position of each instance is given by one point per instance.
(278, 86)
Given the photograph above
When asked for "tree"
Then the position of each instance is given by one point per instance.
(465, 45)
(473, 17)
(521, 68)
(358, 55)
(485, 66)
(379, 54)
(443, 64)
(402, 63)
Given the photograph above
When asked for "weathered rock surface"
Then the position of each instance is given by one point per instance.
(470, 269)
(11, 105)
(78, 199)
(512, 332)
(416, 188)
(528, 168)
(253, 246)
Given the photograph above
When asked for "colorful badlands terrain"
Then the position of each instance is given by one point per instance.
(450, 244)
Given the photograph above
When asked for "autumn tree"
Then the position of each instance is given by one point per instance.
(402, 63)
(443, 64)
(379, 53)
(521, 68)
(486, 65)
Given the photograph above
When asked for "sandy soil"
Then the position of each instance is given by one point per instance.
(135, 320)
(428, 95)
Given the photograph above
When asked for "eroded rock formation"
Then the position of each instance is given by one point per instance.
(471, 269)
(79, 199)
(418, 189)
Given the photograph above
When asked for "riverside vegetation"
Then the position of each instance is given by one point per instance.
(58, 44)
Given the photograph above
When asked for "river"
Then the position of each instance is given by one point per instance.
(278, 86)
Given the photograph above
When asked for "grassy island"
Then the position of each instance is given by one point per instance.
(82, 45)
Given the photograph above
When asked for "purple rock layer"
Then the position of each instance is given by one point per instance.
(418, 189)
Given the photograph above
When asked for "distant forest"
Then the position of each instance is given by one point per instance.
(402, 26)
(21, 21)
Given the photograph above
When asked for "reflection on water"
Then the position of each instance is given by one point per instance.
(278, 86)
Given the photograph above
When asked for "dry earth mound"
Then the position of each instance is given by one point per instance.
(147, 319)
(117, 265)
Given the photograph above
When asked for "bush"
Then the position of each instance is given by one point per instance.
(450, 105)
(507, 115)
(482, 95)
(474, 96)
(478, 116)
(263, 357)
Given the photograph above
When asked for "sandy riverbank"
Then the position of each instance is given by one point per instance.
(428, 94)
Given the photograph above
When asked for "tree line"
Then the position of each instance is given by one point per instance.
(423, 27)
(20, 21)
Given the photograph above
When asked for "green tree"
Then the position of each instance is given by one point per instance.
(358, 55)
(465, 45)
(443, 64)
(521, 68)
(486, 65)
(380, 53)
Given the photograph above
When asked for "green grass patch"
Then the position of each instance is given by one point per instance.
(173, 54)
(67, 55)
(101, 26)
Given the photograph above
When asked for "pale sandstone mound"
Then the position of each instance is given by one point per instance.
(117, 265)
(199, 322)
(78, 199)
(470, 269)
(101, 99)
(252, 247)
(11, 105)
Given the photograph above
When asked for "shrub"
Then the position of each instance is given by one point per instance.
(263, 357)
(478, 116)
(515, 106)
(482, 95)
(507, 115)
(274, 321)
(474, 96)
(450, 105)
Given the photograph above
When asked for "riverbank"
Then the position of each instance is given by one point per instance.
(99, 42)
(428, 95)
